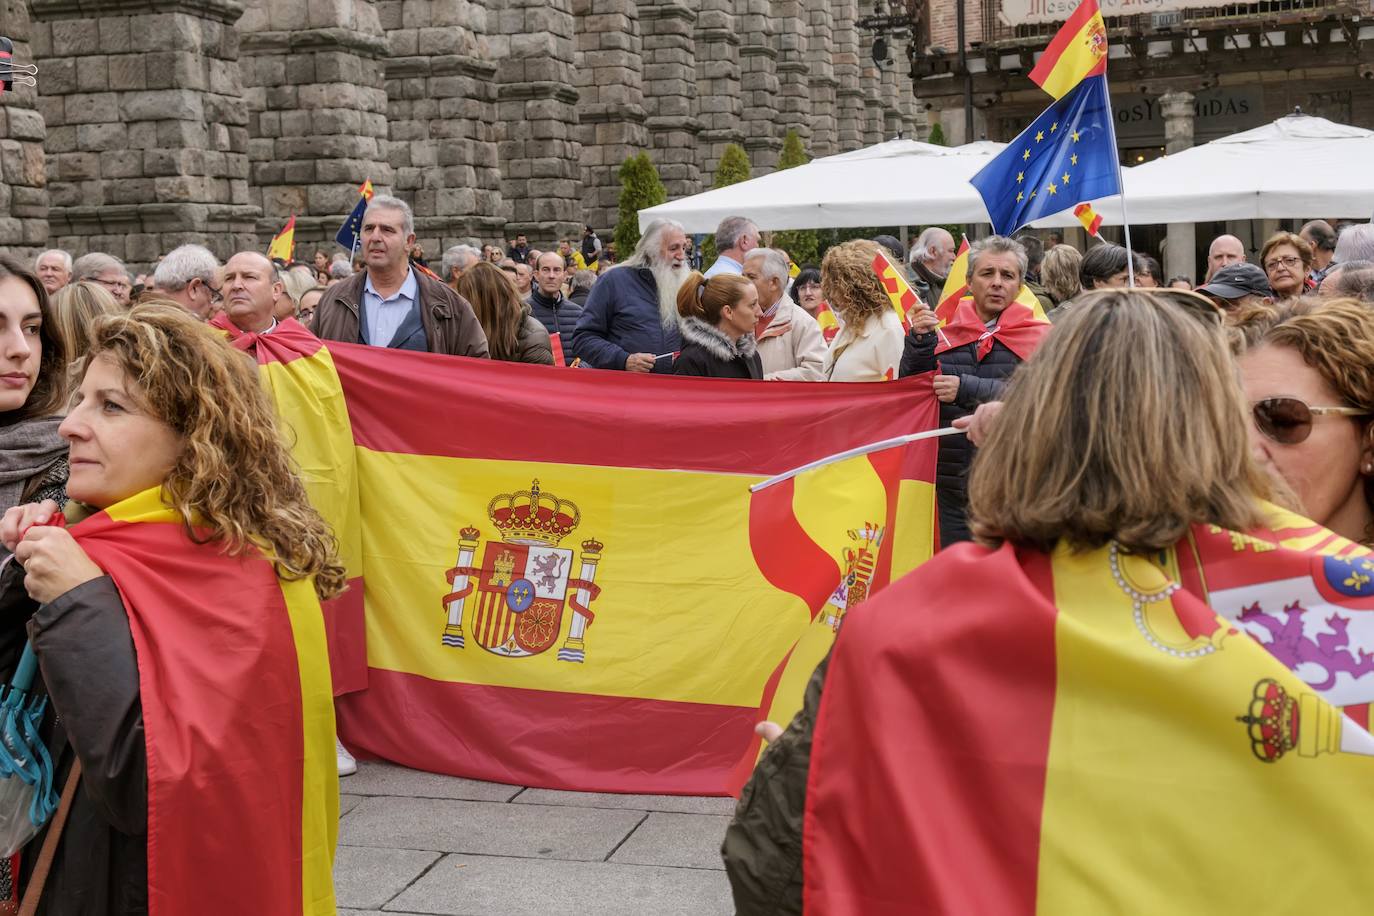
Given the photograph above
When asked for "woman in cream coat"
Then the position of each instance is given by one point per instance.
(869, 344)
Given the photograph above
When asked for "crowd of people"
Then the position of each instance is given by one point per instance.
(143, 390)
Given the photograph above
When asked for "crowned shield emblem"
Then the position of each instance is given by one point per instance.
(512, 604)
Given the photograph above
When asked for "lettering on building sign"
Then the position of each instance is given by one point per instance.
(1023, 12)
(1217, 112)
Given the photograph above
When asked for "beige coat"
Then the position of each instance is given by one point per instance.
(869, 353)
(791, 347)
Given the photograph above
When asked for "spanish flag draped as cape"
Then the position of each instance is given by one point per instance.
(298, 371)
(238, 718)
(1013, 732)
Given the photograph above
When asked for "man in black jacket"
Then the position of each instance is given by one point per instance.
(996, 269)
(557, 313)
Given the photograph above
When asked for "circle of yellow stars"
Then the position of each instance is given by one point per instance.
(1053, 187)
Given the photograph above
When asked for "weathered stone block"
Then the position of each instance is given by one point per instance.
(180, 104)
(98, 137)
(128, 71)
(122, 163)
(76, 36)
(91, 108)
(25, 124)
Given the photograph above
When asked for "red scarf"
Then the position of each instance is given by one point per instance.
(1017, 328)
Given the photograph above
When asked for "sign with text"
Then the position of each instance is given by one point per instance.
(1026, 12)
(1218, 113)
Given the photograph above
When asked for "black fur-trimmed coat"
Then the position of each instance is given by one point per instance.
(707, 352)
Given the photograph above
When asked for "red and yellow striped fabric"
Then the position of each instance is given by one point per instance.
(899, 291)
(575, 558)
(297, 370)
(1077, 51)
(237, 714)
(1081, 733)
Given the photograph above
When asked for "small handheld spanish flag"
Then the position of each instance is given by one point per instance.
(1090, 218)
(366, 190)
(283, 243)
(899, 292)
(1078, 51)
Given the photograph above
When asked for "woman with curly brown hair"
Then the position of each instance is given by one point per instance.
(513, 333)
(1308, 371)
(869, 345)
(179, 637)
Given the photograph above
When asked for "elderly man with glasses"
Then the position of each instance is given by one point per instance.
(187, 275)
(107, 270)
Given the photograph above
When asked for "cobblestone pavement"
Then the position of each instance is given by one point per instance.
(418, 843)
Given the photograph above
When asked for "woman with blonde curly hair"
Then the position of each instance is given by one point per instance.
(1308, 371)
(179, 636)
(75, 308)
(869, 345)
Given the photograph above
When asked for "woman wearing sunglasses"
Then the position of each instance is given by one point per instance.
(1308, 372)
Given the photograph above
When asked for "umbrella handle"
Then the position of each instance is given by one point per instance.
(28, 667)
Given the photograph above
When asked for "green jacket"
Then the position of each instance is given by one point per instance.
(763, 844)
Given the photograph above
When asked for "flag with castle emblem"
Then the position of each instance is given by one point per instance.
(1092, 727)
(597, 579)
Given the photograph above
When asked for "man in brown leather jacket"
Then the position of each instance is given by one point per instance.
(391, 304)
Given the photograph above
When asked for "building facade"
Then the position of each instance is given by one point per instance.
(1182, 72)
(158, 122)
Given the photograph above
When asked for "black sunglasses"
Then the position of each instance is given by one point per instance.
(1288, 421)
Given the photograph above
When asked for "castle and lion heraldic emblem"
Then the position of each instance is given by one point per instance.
(513, 603)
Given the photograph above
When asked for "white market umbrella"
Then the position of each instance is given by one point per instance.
(1298, 167)
(897, 183)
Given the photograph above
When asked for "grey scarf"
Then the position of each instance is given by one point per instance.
(28, 448)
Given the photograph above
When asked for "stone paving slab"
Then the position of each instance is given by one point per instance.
(681, 804)
(496, 886)
(375, 778)
(536, 831)
(690, 840)
(366, 877)
(347, 803)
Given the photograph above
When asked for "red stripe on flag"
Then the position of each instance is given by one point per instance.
(347, 631)
(409, 403)
(221, 690)
(934, 793)
(571, 741)
(785, 553)
(1359, 714)
(1066, 34)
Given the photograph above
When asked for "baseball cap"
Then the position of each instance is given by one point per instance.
(1236, 280)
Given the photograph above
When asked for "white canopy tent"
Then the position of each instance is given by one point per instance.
(897, 183)
(1298, 167)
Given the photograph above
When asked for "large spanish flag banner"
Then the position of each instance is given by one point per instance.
(243, 797)
(1097, 732)
(299, 373)
(569, 583)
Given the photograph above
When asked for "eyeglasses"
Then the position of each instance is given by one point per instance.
(1288, 421)
(1289, 262)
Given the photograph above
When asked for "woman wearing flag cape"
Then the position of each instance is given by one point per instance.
(179, 637)
(1054, 720)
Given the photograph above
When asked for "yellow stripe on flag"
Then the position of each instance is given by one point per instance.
(652, 626)
(320, 774)
(310, 404)
(1128, 715)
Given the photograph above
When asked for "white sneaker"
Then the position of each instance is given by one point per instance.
(347, 765)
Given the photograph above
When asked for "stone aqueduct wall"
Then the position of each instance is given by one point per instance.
(157, 122)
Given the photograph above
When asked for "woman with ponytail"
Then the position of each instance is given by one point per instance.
(719, 317)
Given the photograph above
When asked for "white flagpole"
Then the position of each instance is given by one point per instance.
(1121, 183)
(854, 453)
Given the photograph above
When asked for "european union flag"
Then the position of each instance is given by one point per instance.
(1066, 156)
(347, 235)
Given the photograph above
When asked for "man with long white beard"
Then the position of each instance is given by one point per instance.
(630, 321)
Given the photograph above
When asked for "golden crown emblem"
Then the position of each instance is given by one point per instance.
(533, 516)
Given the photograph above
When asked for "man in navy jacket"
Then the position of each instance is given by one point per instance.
(631, 319)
